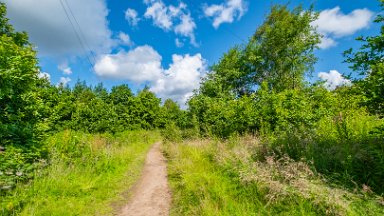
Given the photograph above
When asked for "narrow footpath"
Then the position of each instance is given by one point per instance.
(151, 195)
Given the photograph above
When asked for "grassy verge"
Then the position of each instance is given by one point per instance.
(238, 178)
(85, 174)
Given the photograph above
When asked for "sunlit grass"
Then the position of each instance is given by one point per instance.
(226, 178)
(86, 175)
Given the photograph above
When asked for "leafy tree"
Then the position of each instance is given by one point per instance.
(18, 83)
(122, 98)
(281, 50)
(96, 116)
(121, 94)
(230, 77)
(146, 109)
(280, 53)
(101, 92)
(369, 62)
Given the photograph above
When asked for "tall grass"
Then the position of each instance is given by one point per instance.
(348, 148)
(85, 174)
(242, 177)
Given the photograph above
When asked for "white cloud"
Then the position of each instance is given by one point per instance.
(171, 18)
(182, 77)
(63, 81)
(179, 43)
(138, 65)
(143, 64)
(65, 68)
(131, 16)
(160, 15)
(186, 28)
(44, 75)
(50, 30)
(333, 23)
(336, 23)
(327, 42)
(333, 79)
(125, 39)
(226, 12)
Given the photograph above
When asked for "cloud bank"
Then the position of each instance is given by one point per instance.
(50, 29)
(143, 64)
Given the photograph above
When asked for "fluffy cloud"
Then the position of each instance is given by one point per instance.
(182, 77)
(333, 23)
(171, 18)
(63, 81)
(131, 16)
(186, 28)
(143, 65)
(333, 79)
(160, 14)
(52, 33)
(65, 68)
(138, 65)
(125, 39)
(327, 42)
(226, 12)
(44, 75)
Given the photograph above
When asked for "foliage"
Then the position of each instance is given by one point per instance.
(20, 106)
(368, 61)
(280, 53)
(281, 50)
(18, 83)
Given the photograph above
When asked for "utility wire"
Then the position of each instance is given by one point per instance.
(77, 34)
(81, 32)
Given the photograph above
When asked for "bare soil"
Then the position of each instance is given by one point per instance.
(151, 195)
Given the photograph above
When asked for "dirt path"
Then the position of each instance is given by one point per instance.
(151, 195)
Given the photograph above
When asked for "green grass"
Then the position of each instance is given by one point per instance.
(86, 175)
(216, 178)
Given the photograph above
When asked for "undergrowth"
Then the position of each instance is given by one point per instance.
(242, 177)
(83, 175)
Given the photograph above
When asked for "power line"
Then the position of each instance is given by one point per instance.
(77, 34)
(81, 32)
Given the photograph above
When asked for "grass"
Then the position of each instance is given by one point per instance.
(87, 175)
(232, 178)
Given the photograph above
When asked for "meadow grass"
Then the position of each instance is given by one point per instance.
(210, 177)
(85, 175)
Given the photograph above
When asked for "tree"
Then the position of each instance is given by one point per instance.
(146, 109)
(18, 85)
(276, 59)
(281, 50)
(121, 94)
(229, 77)
(123, 99)
(369, 62)
(280, 53)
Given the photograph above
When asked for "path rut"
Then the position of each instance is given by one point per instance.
(151, 195)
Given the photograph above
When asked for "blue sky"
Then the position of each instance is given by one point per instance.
(169, 45)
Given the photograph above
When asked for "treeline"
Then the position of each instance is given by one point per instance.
(96, 110)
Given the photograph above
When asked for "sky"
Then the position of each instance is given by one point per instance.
(169, 45)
